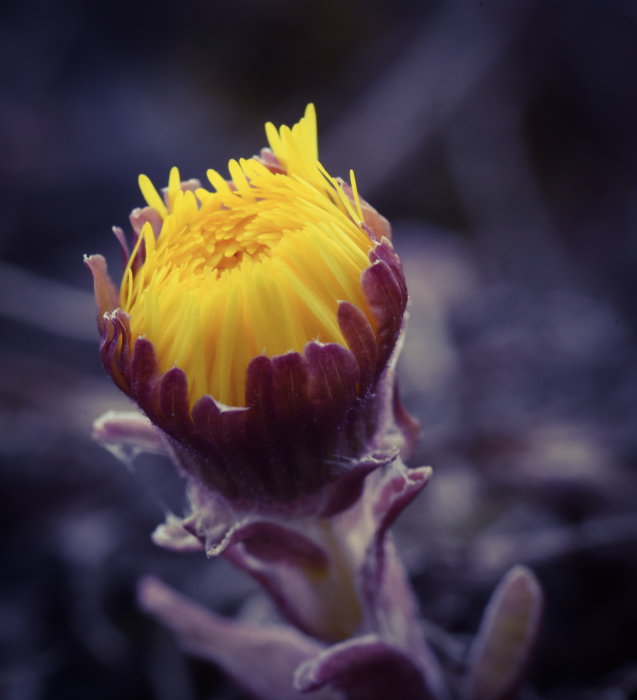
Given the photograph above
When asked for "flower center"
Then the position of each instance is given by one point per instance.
(254, 267)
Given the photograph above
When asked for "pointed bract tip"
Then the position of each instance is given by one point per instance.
(106, 294)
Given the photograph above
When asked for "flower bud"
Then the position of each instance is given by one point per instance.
(257, 324)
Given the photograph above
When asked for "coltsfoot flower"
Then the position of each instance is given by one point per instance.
(256, 325)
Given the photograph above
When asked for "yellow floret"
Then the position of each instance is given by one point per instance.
(258, 267)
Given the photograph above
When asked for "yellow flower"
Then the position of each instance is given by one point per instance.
(256, 325)
(255, 266)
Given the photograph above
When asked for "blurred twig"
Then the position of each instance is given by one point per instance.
(46, 304)
(494, 553)
(422, 88)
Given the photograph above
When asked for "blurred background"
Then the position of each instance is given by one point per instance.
(499, 138)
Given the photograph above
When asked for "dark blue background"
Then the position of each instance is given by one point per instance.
(499, 138)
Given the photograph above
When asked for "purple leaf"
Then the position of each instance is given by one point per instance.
(261, 658)
(365, 668)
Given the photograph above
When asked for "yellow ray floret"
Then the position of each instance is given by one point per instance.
(255, 266)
